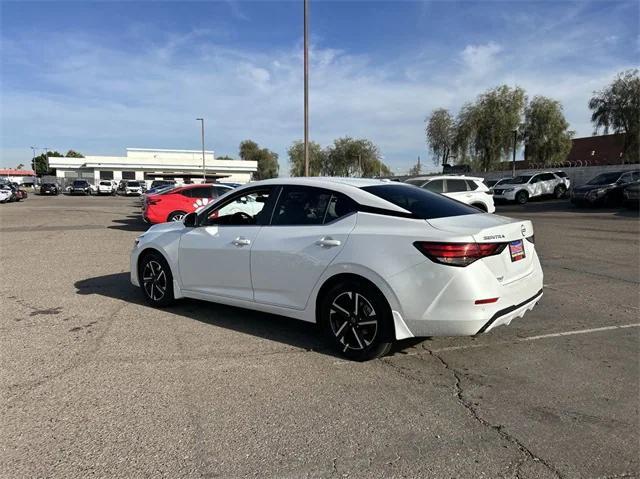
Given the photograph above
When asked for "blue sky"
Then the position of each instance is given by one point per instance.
(102, 76)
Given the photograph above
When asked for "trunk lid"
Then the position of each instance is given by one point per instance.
(489, 228)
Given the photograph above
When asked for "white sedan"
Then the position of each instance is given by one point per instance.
(371, 261)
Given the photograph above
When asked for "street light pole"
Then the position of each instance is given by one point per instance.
(306, 87)
(515, 143)
(204, 171)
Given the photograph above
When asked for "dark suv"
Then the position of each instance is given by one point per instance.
(81, 187)
(49, 189)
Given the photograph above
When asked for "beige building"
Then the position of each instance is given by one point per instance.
(147, 164)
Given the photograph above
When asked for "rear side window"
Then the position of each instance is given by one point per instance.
(561, 174)
(339, 206)
(472, 185)
(301, 206)
(547, 176)
(422, 203)
(455, 186)
(205, 192)
(437, 186)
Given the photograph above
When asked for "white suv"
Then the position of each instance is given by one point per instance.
(467, 189)
(105, 187)
(523, 187)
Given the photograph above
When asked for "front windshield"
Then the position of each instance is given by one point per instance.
(519, 180)
(133, 183)
(604, 179)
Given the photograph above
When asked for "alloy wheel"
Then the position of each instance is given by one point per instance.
(353, 321)
(154, 280)
(177, 217)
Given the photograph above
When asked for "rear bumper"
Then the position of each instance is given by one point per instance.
(506, 315)
(440, 300)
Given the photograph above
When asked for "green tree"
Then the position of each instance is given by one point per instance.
(440, 133)
(40, 163)
(74, 154)
(484, 129)
(267, 159)
(317, 159)
(225, 158)
(617, 108)
(354, 157)
(546, 134)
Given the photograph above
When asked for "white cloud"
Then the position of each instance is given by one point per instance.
(481, 60)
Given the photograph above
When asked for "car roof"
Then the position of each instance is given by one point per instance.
(446, 177)
(351, 187)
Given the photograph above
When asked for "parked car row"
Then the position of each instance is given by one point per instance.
(10, 192)
(606, 189)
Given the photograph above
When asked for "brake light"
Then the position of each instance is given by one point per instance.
(458, 254)
(486, 301)
(152, 201)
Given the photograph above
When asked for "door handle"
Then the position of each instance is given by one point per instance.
(240, 241)
(328, 242)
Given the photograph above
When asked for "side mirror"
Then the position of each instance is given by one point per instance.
(191, 220)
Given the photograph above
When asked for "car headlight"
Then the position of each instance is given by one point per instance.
(508, 190)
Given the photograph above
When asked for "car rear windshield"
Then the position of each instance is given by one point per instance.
(422, 203)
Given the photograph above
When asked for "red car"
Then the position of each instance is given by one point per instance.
(175, 204)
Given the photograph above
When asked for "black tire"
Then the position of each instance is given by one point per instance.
(560, 191)
(356, 320)
(176, 216)
(156, 280)
(522, 197)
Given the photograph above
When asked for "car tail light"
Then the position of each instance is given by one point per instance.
(458, 254)
(152, 201)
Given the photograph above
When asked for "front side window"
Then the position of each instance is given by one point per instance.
(301, 206)
(248, 209)
(456, 186)
(437, 186)
(421, 203)
(547, 176)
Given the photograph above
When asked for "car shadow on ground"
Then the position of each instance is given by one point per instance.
(130, 223)
(284, 330)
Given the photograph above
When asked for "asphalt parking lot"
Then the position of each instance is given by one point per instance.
(96, 383)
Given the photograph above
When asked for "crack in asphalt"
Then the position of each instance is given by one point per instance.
(529, 455)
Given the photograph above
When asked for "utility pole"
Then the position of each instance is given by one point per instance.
(306, 87)
(515, 143)
(204, 171)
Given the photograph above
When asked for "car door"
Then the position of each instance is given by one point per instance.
(535, 186)
(549, 183)
(309, 228)
(457, 189)
(214, 257)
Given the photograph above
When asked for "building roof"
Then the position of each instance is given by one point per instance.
(14, 172)
(597, 150)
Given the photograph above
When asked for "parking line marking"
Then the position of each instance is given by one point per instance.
(542, 336)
